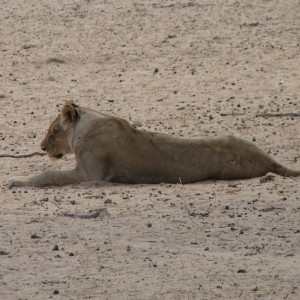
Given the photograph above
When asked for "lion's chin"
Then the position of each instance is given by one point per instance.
(56, 157)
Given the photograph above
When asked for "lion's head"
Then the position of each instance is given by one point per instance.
(56, 143)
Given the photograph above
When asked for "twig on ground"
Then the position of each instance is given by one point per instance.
(187, 211)
(271, 115)
(101, 211)
(231, 114)
(156, 293)
(23, 155)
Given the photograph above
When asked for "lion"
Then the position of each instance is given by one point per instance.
(108, 148)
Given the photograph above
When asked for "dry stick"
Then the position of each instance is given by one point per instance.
(231, 114)
(22, 155)
(188, 213)
(95, 214)
(156, 293)
(270, 115)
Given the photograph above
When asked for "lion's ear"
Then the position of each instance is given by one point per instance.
(69, 114)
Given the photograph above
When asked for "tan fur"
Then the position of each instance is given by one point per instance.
(110, 149)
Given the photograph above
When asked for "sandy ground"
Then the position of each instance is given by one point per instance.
(192, 68)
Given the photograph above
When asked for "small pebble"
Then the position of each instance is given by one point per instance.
(35, 236)
(55, 248)
(108, 201)
(156, 71)
(56, 292)
(28, 46)
(32, 135)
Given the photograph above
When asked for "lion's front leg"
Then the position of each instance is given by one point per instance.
(47, 178)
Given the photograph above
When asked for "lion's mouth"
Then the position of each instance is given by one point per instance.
(58, 156)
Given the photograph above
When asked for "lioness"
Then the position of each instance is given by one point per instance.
(110, 149)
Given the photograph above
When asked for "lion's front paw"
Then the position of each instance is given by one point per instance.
(16, 181)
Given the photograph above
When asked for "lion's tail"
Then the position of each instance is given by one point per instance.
(283, 171)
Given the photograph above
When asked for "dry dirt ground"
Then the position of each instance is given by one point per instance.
(193, 68)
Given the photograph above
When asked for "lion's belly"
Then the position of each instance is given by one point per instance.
(191, 161)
